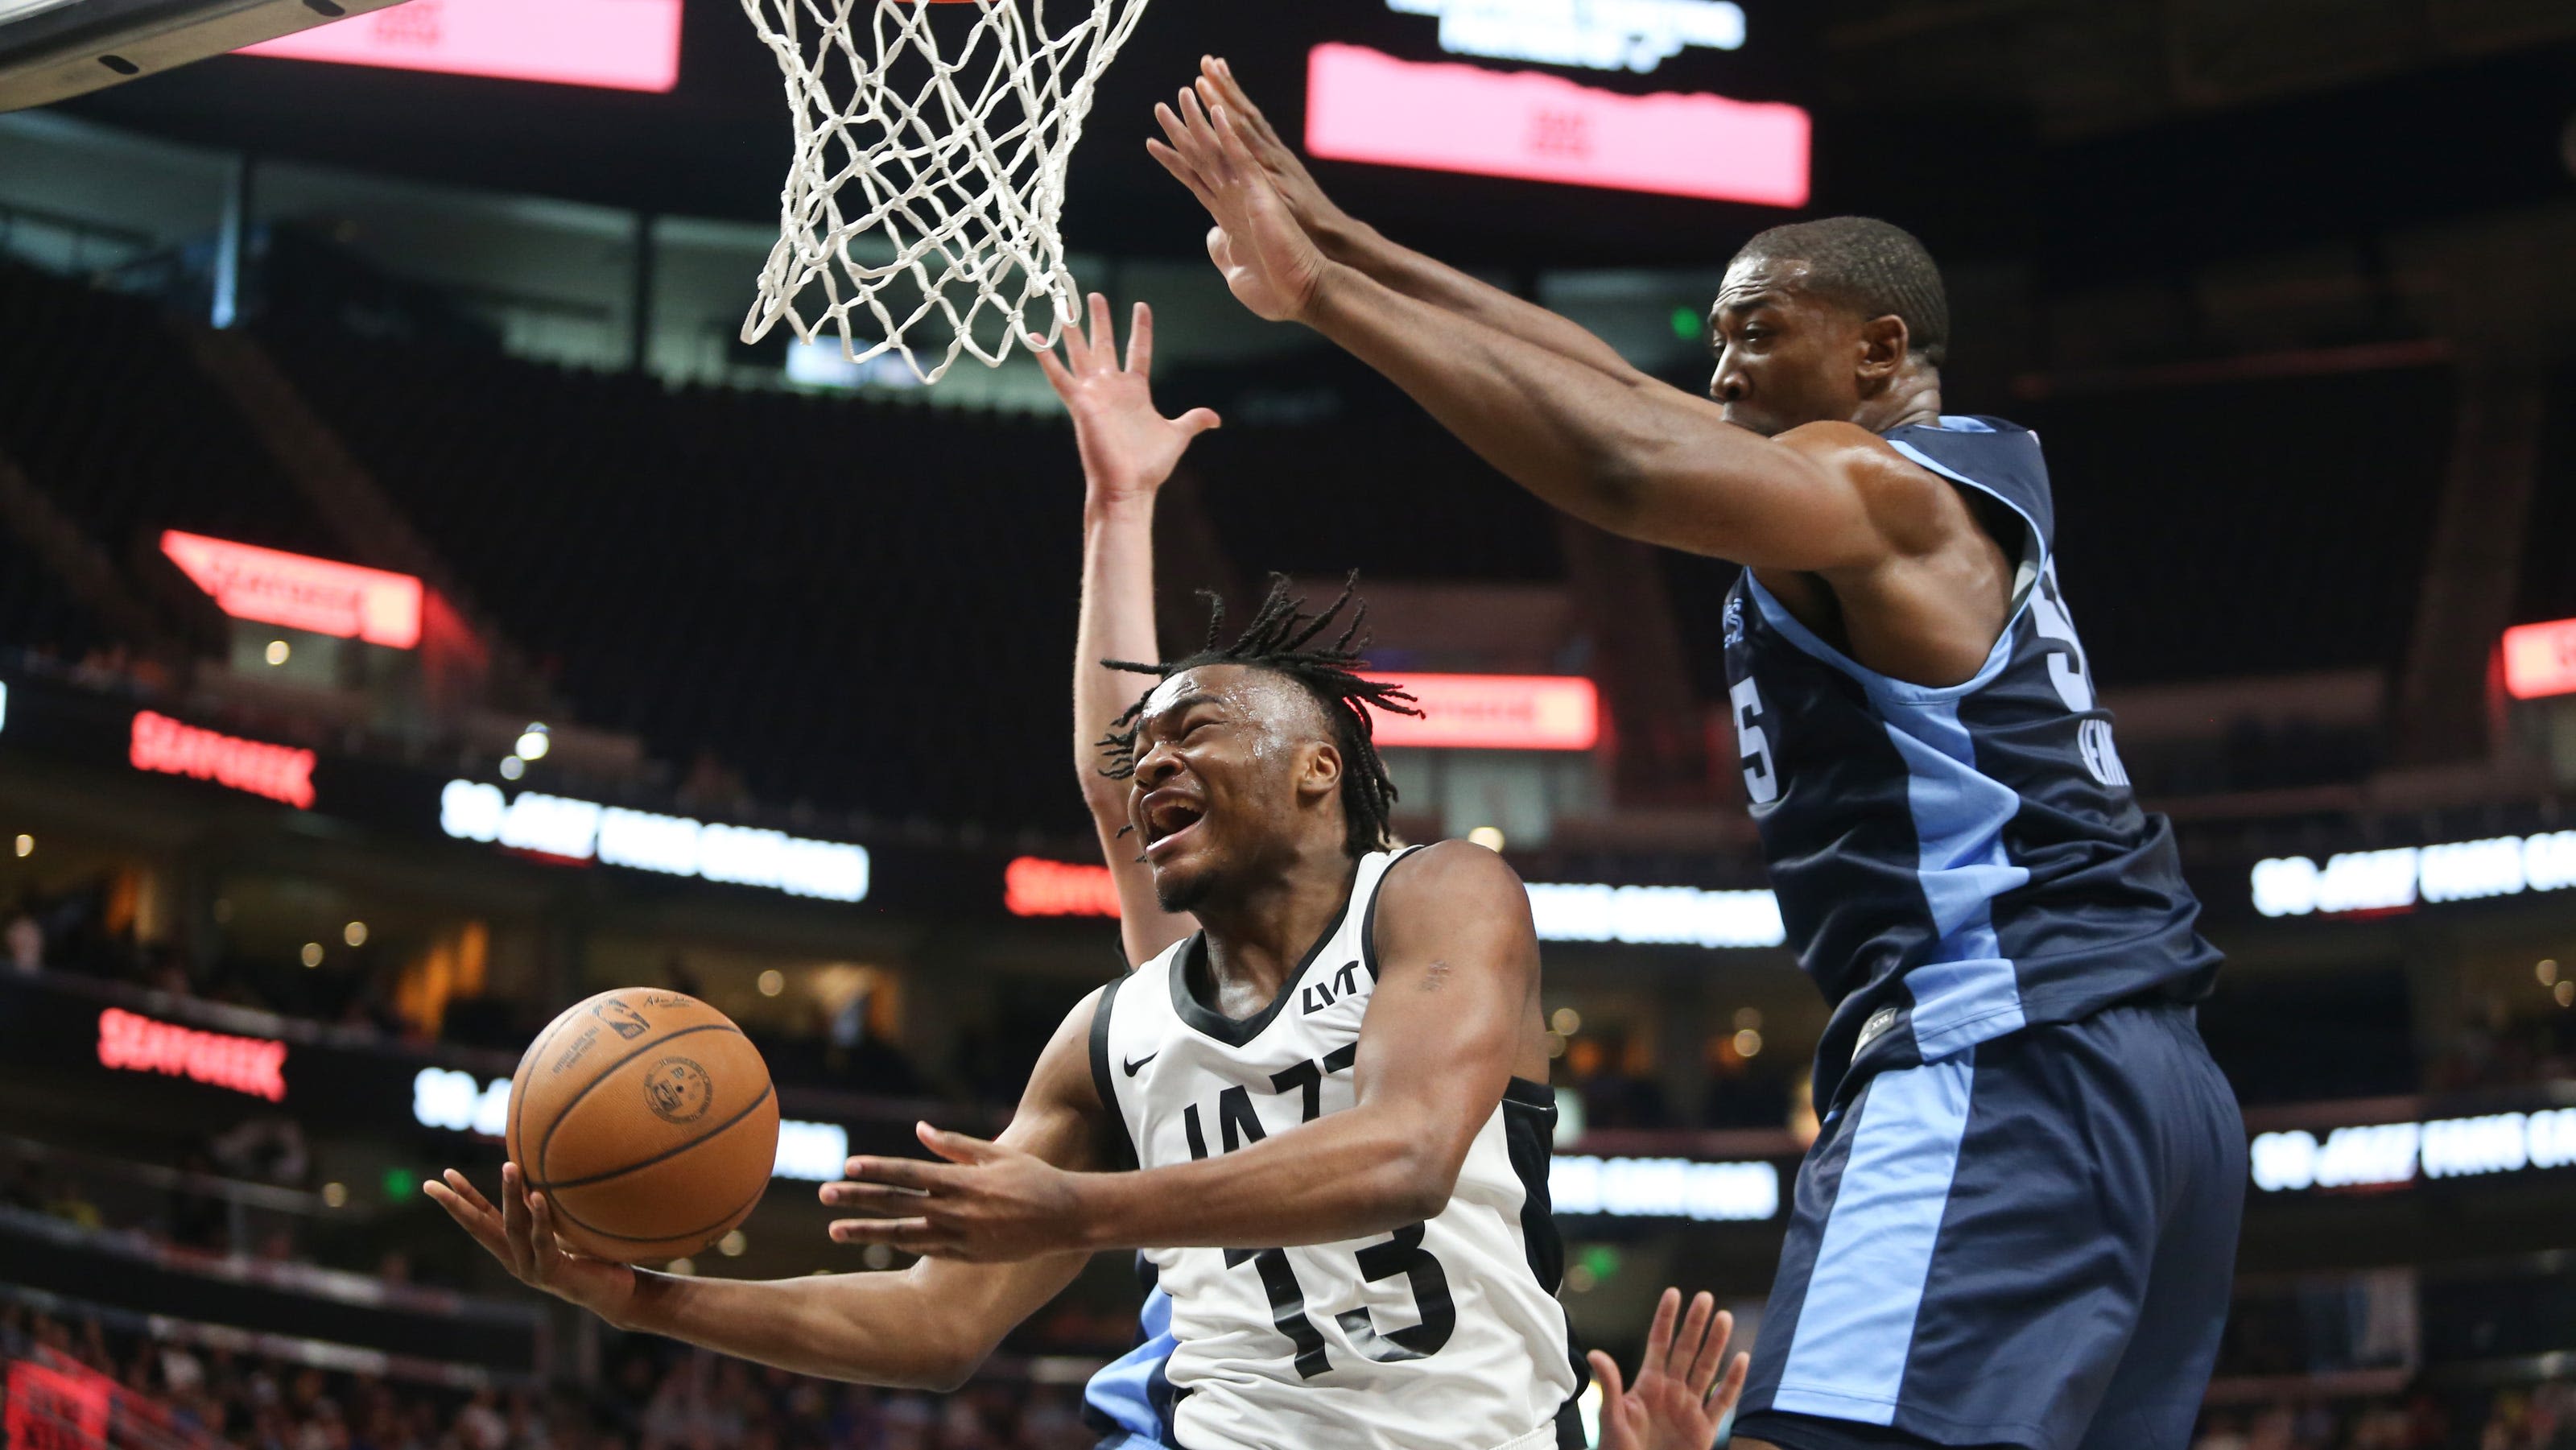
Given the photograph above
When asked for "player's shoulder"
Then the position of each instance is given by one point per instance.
(1908, 476)
(1448, 882)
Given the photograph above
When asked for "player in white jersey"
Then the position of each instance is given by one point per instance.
(1343, 1062)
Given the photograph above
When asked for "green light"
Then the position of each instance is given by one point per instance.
(1688, 324)
(1602, 1260)
(400, 1183)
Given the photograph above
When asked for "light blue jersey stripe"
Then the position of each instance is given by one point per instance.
(1124, 1390)
(1968, 991)
(1855, 1329)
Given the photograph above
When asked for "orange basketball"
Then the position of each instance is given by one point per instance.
(648, 1121)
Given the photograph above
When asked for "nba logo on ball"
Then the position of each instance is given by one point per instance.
(678, 1090)
(626, 1021)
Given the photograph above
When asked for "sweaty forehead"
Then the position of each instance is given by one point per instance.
(1756, 277)
(1241, 691)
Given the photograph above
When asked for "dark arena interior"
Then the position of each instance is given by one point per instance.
(400, 547)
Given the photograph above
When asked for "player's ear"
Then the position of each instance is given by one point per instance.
(1321, 773)
(1884, 342)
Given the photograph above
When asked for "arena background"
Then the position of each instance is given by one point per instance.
(294, 858)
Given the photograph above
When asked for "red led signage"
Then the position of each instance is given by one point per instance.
(1035, 887)
(625, 45)
(1364, 106)
(252, 1065)
(280, 772)
(2540, 660)
(1497, 712)
(273, 587)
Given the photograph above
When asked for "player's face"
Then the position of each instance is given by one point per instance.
(1217, 766)
(1784, 358)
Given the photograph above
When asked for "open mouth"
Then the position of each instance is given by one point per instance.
(1170, 817)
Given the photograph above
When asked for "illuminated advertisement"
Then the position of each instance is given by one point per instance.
(2540, 660)
(2399, 877)
(129, 1042)
(270, 586)
(1664, 1188)
(1496, 712)
(165, 746)
(627, 45)
(2392, 1155)
(577, 830)
(1032, 886)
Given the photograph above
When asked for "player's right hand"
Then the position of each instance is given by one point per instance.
(1128, 447)
(521, 1234)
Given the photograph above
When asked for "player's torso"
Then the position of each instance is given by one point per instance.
(1954, 864)
(1444, 1335)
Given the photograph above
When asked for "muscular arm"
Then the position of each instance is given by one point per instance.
(1128, 451)
(1354, 243)
(1620, 450)
(925, 1327)
(1453, 1017)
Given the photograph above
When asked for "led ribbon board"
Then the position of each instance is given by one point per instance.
(578, 830)
(271, 586)
(282, 773)
(1362, 105)
(447, 1099)
(1496, 712)
(626, 45)
(2397, 878)
(255, 1066)
(2540, 660)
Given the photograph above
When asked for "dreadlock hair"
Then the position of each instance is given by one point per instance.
(1877, 267)
(1277, 641)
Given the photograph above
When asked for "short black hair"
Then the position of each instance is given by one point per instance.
(1875, 266)
(1277, 641)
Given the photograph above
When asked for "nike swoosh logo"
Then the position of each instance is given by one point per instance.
(1138, 1065)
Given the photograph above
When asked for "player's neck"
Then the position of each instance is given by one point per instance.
(1257, 938)
(1912, 397)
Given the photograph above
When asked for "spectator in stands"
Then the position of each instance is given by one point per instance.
(24, 939)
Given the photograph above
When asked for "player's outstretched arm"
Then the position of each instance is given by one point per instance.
(926, 1327)
(1680, 1397)
(1129, 450)
(1354, 243)
(1637, 458)
(1454, 1014)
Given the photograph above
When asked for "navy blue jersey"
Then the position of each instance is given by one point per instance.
(1956, 864)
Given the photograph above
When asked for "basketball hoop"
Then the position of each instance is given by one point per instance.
(932, 141)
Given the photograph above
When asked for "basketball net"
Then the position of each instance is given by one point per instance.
(932, 141)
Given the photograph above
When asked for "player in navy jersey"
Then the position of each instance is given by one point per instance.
(2018, 1225)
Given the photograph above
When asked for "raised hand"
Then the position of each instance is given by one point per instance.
(1270, 263)
(986, 1204)
(1322, 218)
(521, 1234)
(1128, 448)
(1679, 1400)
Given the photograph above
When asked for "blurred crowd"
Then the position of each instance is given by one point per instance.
(655, 1397)
(2519, 1418)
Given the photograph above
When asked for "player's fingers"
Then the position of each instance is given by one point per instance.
(875, 1200)
(1606, 1370)
(1213, 161)
(1731, 1388)
(1231, 92)
(542, 1245)
(514, 1217)
(1194, 139)
(484, 1225)
(902, 1173)
(1659, 1337)
(1140, 340)
(1181, 170)
(1197, 421)
(1104, 334)
(1049, 364)
(463, 1187)
(902, 1233)
(1712, 1349)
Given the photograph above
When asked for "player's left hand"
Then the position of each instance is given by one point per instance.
(1679, 1400)
(986, 1204)
(1270, 263)
(1128, 447)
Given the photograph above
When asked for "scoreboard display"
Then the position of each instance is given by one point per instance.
(1685, 98)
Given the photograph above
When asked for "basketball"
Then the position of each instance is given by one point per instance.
(647, 1120)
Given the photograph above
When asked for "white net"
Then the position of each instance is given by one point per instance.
(921, 215)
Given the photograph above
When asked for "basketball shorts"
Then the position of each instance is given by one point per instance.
(2029, 1244)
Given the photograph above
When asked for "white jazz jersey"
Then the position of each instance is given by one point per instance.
(1445, 1335)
